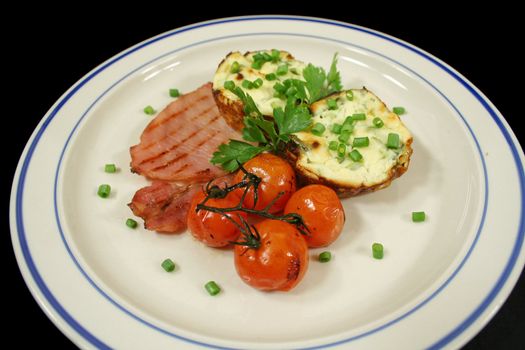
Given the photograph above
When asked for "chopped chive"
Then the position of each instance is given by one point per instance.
(418, 216)
(341, 149)
(174, 92)
(292, 90)
(168, 265)
(149, 110)
(333, 145)
(266, 56)
(294, 71)
(331, 103)
(247, 84)
(349, 95)
(361, 142)
(104, 190)
(347, 127)
(276, 55)
(110, 168)
(271, 76)
(212, 288)
(229, 85)
(257, 64)
(399, 110)
(257, 83)
(235, 68)
(336, 128)
(280, 88)
(378, 123)
(282, 69)
(392, 141)
(377, 250)
(359, 116)
(349, 120)
(355, 155)
(325, 257)
(344, 137)
(131, 223)
(318, 129)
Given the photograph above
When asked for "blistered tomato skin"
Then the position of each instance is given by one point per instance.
(279, 263)
(211, 228)
(321, 211)
(276, 176)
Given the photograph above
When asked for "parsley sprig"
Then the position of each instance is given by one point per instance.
(273, 135)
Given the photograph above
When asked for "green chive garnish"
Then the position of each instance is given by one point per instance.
(276, 55)
(347, 127)
(331, 103)
(247, 84)
(361, 142)
(257, 64)
(359, 116)
(344, 137)
(174, 92)
(280, 88)
(257, 83)
(325, 257)
(392, 141)
(349, 95)
(168, 265)
(294, 71)
(418, 216)
(149, 110)
(271, 76)
(355, 155)
(377, 250)
(318, 129)
(349, 120)
(336, 128)
(212, 288)
(110, 168)
(104, 190)
(341, 149)
(131, 223)
(378, 123)
(333, 145)
(235, 68)
(282, 69)
(399, 110)
(229, 85)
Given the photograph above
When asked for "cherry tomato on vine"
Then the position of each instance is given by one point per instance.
(214, 229)
(321, 211)
(280, 260)
(276, 176)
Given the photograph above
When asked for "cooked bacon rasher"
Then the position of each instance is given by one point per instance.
(177, 145)
(174, 151)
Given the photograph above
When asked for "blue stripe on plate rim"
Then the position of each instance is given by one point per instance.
(473, 316)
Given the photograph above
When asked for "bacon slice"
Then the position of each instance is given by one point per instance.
(177, 145)
(164, 206)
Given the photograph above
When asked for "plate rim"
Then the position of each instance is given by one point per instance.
(19, 178)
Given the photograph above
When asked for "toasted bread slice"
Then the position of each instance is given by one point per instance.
(316, 162)
(229, 104)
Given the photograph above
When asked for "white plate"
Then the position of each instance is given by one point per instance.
(439, 283)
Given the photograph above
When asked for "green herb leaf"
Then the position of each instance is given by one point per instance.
(292, 119)
(315, 78)
(334, 77)
(231, 154)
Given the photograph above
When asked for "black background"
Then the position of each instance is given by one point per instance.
(45, 56)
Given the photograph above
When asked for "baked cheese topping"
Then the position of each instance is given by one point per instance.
(328, 147)
(282, 67)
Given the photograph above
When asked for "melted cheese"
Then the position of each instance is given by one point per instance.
(378, 160)
(264, 95)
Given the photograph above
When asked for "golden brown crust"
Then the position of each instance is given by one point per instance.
(231, 110)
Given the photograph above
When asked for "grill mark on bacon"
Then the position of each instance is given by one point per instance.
(176, 114)
(175, 146)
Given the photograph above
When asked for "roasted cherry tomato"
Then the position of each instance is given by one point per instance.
(212, 228)
(280, 261)
(322, 213)
(276, 176)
